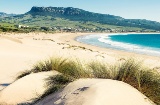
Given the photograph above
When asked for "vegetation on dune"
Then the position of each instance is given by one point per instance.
(23, 74)
(54, 84)
(101, 70)
(130, 71)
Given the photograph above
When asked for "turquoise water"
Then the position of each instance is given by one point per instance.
(146, 40)
(148, 44)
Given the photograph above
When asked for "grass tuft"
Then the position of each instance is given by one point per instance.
(130, 71)
(57, 62)
(145, 80)
(42, 66)
(54, 84)
(101, 70)
(74, 69)
(22, 74)
(150, 85)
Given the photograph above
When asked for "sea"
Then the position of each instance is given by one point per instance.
(142, 43)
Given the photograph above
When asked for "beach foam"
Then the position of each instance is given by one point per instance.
(105, 41)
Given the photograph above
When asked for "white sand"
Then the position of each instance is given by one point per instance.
(18, 52)
(96, 92)
(25, 89)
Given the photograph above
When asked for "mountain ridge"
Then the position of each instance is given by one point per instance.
(70, 13)
(76, 14)
(78, 19)
(65, 11)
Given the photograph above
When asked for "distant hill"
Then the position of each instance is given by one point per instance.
(78, 19)
(72, 14)
(2, 14)
(76, 14)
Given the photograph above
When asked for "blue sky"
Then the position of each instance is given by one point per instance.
(131, 9)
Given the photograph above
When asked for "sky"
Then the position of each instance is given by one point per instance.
(130, 9)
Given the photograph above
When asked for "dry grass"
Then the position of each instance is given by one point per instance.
(102, 70)
(130, 71)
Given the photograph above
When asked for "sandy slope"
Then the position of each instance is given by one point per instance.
(96, 92)
(25, 89)
(18, 52)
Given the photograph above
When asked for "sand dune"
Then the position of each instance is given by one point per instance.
(18, 52)
(25, 89)
(96, 92)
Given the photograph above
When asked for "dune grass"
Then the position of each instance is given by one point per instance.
(67, 67)
(144, 79)
(101, 70)
(130, 71)
(53, 84)
(150, 85)
(74, 69)
(56, 82)
(23, 74)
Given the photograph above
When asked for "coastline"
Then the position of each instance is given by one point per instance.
(105, 41)
(116, 53)
(17, 57)
(32, 47)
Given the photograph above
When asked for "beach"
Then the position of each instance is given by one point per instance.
(150, 61)
(20, 51)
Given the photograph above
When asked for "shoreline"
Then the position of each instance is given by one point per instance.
(38, 46)
(103, 41)
(115, 52)
(34, 47)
